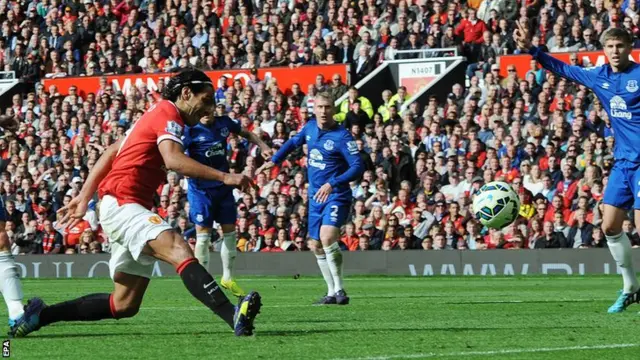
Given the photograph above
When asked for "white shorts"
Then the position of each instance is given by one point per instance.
(129, 228)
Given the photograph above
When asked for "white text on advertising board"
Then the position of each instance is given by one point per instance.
(506, 269)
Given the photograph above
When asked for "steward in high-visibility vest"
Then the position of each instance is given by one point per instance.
(345, 106)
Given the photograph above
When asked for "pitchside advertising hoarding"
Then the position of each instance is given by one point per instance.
(416, 76)
(585, 58)
(284, 76)
(407, 263)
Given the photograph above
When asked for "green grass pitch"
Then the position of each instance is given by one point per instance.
(389, 318)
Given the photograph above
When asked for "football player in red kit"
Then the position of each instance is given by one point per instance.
(126, 176)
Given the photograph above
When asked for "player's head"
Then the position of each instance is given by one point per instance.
(323, 108)
(617, 45)
(191, 91)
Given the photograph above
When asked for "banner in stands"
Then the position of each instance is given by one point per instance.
(416, 76)
(407, 263)
(284, 76)
(585, 58)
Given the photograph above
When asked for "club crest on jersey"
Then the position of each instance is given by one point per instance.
(329, 145)
(155, 219)
(174, 128)
(308, 137)
(199, 218)
(224, 132)
(619, 108)
(632, 86)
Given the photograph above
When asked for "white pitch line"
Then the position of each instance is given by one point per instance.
(494, 352)
(475, 302)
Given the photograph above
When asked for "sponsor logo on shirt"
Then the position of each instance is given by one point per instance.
(632, 86)
(619, 108)
(316, 159)
(174, 128)
(216, 149)
(352, 147)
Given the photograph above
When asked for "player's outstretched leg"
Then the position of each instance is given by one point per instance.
(620, 248)
(124, 302)
(329, 238)
(228, 253)
(171, 248)
(321, 257)
(10, 284)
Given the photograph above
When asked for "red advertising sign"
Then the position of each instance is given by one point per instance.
(586, 59)
(284, 76)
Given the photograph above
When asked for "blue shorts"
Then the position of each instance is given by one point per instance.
(209, 205)
(623, 187)
(331, 212)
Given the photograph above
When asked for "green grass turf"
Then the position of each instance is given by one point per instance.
(389, 318)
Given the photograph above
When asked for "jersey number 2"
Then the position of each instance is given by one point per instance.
(334, 211)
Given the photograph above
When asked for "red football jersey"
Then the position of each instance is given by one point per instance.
(138, 168)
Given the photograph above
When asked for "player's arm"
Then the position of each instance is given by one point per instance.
(99, 171)
(295, 142)
(253, 138)
(351, 154)
(175, 159)
(573, 73)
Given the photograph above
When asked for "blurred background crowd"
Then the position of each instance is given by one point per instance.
(545, 136)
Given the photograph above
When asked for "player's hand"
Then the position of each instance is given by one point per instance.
(241, 181)
(9, 122)
(521, 36)
(72, 213)
(323, 194)
(266, 153)
(266, 166)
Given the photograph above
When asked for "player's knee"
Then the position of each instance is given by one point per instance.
(126, 310)
(610, 228)
(180, 250)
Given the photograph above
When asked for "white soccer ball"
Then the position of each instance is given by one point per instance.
(496, 205)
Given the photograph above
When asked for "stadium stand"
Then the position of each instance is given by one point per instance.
(547, 137)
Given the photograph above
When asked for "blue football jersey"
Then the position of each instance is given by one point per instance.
(333, 158)
(208, 145)
(618, 92)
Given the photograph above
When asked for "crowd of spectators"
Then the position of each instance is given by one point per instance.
(545, 136)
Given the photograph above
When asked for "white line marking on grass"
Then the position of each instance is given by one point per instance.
(495, 352)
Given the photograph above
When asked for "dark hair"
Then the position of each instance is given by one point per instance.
(194, 79)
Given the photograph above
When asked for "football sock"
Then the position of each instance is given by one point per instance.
(228, 254)
(326, 273)
(87, 308)
(204, 288)
(203, 241)
(334, 258)
(10, 285)
(620, 248)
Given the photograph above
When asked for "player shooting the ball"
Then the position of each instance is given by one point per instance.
(616, 86)
(126, 177)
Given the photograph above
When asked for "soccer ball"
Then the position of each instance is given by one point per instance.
(496, 205)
